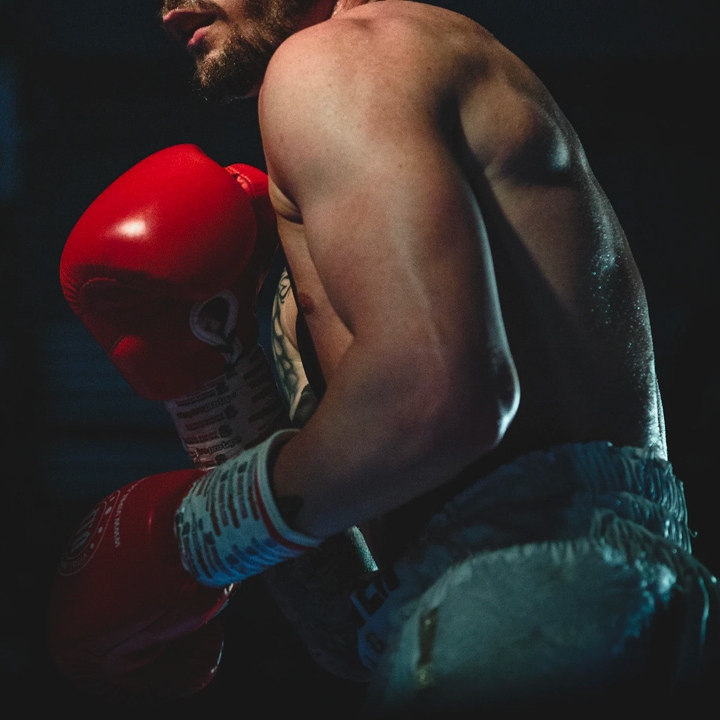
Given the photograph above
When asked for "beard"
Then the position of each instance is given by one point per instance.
(237, 71)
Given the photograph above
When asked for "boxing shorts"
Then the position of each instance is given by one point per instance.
(564, 573)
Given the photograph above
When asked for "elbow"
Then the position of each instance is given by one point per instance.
(486, 409)
(500, 401)
(472, 408)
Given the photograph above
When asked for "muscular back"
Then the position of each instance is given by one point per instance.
(572, 303)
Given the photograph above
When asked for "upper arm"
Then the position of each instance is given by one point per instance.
(382, 217)
(390, 220)
(391, 223)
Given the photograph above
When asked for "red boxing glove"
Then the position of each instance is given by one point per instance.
(125, 619)
(163, 269)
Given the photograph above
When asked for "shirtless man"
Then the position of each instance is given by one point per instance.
(488, 407)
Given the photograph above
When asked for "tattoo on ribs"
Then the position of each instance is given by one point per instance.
(287, 374)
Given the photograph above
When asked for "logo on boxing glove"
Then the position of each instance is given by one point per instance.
(87, 538)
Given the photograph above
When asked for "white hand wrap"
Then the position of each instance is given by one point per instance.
(229, 413)
(228, 526)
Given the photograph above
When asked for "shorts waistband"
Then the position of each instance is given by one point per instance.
(546, 494)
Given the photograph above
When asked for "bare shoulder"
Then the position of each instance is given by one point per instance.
(369, 74)
(380, 71)
(376, 43)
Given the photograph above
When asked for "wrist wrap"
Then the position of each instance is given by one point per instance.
(229, 413)
(228, 526)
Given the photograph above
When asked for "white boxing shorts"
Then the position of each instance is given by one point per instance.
(566, 573)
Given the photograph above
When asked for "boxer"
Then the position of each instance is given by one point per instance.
(476, 332)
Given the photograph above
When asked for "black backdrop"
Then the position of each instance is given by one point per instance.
(89, 88)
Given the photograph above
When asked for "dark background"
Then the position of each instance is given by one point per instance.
(88, 88)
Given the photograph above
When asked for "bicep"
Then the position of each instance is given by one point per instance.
(390, 220)
(391, 224)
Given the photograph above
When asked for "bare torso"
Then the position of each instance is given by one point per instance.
(572, 302)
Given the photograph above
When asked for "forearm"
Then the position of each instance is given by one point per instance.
(385, 433)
